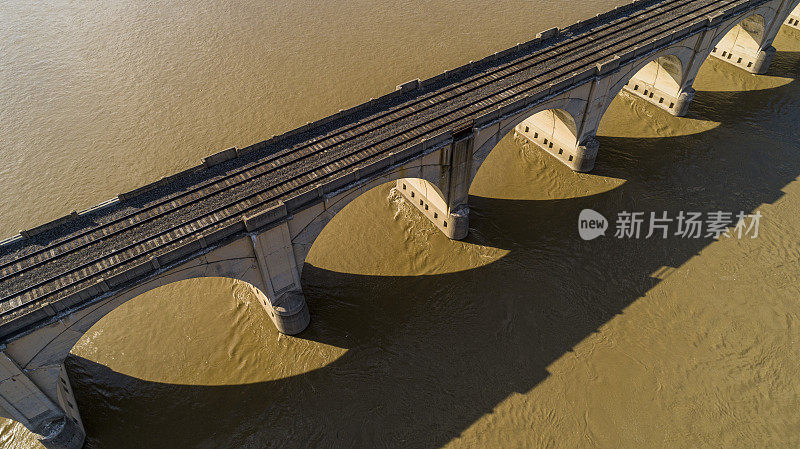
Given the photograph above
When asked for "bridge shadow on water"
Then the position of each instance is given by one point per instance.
(466, 341)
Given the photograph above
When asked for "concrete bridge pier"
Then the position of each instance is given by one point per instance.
(683, 101)
(284, 299)
(445, 204)
(23, 400)
(585, 155)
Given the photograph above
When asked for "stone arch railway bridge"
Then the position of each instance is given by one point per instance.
(253, 213)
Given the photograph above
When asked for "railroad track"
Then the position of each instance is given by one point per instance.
(7, 269)
(610, 36)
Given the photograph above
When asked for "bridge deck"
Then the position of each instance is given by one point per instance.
(91, 249)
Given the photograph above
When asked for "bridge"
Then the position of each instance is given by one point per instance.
(253, 213)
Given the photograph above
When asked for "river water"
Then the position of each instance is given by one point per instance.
(523, 335)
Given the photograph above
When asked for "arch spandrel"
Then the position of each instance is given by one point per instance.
(51, 344)
(308, 224)
(671, 66)
(572, 103)
(745, 40)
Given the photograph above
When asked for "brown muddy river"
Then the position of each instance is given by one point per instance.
(521, 336)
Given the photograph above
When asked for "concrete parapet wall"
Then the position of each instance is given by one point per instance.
(48, 226)
(218, 158)
(128, 196)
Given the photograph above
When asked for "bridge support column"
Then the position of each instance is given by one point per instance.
(585, 155)
(446, 203)
(561, 145)
(284, 300)
(26, 402)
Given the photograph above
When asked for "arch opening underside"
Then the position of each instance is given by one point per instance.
(49, 409)
(554, 131)
(661, 83)
(425, 183)
(746, 45)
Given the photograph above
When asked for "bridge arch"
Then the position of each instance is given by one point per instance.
(745, 40)
(664, 73)
(42, 355)
(742, 43)
(748, 33)
(663, 79)
(235, 260)
(422, 178)
(553, 125)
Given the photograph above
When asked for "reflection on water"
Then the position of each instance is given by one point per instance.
(521, 336)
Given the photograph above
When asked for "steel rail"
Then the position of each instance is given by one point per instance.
(360, 161)
(19, 263)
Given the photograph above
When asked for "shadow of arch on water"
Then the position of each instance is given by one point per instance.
(466, 340)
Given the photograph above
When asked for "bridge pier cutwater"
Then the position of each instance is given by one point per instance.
(277, 265)
(23, 399)
(445, 205)
(268, 203)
